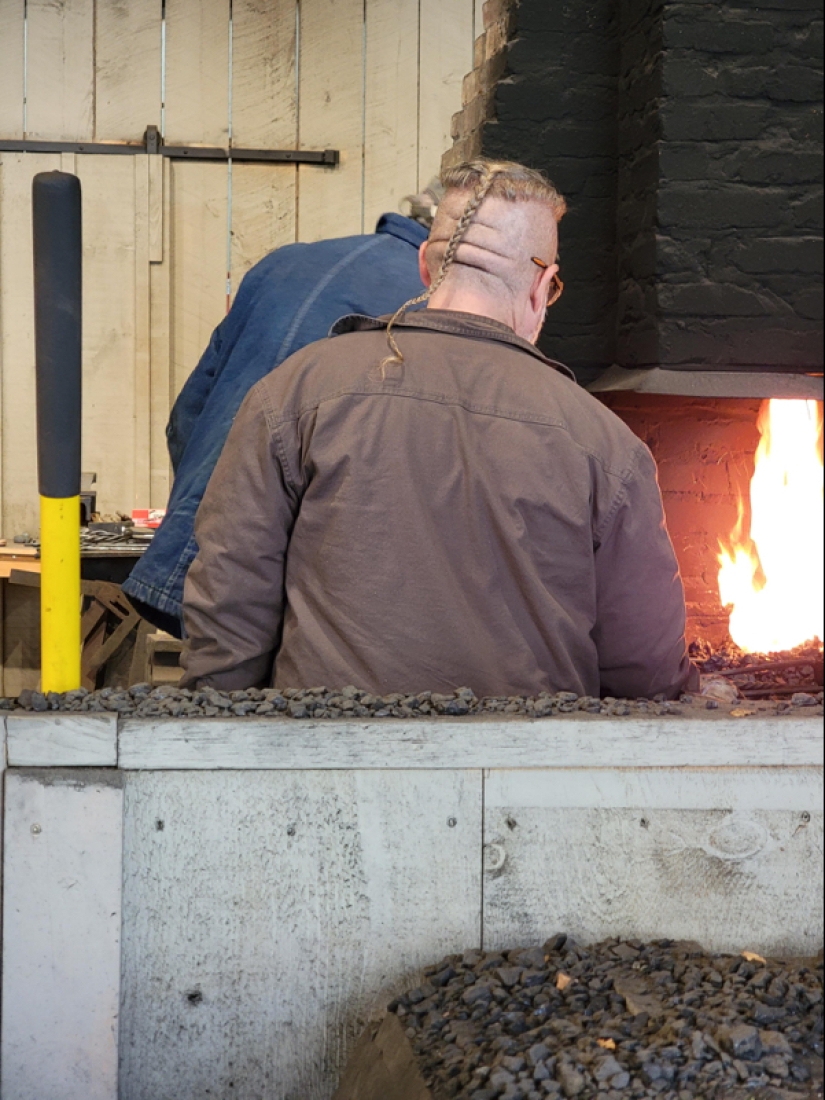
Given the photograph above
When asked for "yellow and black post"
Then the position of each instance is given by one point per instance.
(57, 319)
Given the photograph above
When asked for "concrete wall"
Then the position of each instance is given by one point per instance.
(216, 908)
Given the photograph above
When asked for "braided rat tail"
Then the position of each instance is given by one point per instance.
(469, 212)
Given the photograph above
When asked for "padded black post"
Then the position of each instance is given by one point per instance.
(57, 319)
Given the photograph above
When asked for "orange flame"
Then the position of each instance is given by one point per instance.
(772, 576)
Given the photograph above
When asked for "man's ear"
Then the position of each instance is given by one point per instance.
(540, 292)
(423, 270)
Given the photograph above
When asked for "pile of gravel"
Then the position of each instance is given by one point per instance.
(617, 1021)
(143, 701)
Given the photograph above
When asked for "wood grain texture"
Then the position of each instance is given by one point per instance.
(268, 916)
(60, 44)
(446, 57)
(197, 72)
(61, 740)
(141, 477)
(391, 106)
(264, 99)
(730, 879)
(263, 214)
(331, 78)
(198, 255)
(264, 116)
(127, 69)
(11, 68)
(21, 509)
(109, 336)
(161, 384)
(471, 743)
(61, 935)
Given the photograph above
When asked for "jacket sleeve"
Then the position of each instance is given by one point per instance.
(194, 395)
(233, 600)
(640, 626)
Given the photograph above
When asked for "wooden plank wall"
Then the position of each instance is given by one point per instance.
(166, 245)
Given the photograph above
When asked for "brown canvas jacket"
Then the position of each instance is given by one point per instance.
(471, 518)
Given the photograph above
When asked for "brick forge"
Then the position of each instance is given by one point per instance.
(704, 449)
(686, 137)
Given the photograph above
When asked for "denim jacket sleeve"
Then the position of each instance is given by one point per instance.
(193, 397)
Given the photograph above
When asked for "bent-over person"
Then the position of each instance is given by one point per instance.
(429, 502)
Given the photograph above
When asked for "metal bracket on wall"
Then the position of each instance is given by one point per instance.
(153, 143)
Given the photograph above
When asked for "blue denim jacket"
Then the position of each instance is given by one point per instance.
(289, 299)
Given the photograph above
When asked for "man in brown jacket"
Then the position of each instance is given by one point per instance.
(456, 513)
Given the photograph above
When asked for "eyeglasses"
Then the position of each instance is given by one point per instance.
(558, 285)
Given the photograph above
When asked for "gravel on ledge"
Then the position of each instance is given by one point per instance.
(620, 1020)
(144, 701)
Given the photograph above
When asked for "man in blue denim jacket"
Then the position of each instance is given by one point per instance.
(287, 300)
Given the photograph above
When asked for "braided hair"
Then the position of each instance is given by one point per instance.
(487, 175)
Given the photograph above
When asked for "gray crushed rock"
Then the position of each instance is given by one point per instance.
(621, 1020)
(144, 701)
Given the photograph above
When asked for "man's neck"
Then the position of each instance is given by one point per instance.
(468, 301)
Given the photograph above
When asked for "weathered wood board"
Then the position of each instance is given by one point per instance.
(17, 437)
(60, 70)
(128, 77)
(330, 201)
(574, 742)
(268, 916)
(12, 68)
(61, 935)
(109, 336)
(733, 861)
(197, 72)
(61, 740)
(199, 236)
(390, 107)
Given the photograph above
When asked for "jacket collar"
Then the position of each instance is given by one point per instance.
(453, 323)
(404, 228)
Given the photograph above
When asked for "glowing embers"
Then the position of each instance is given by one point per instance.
(772, 576)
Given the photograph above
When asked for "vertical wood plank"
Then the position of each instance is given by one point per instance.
(446, 57)
(127, 69)
(263, 214)
(143, 366)
(264, 116)
(21, 510)
(156, 208)
(60, 70)
(198, 256)
(264, 104)
(267, 915)
(197, 72)
(160, 307)
(331, 74)
(391, 106)
(11, 68)
(108, 444)
(61, 934)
